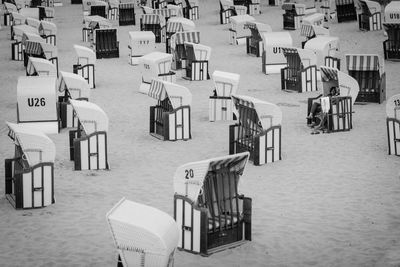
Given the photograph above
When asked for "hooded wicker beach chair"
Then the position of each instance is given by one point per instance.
(370, 17)
(311, 31)
(197, 57)
(327, 50)
(254, 42)
(48, 31)
(293, 16)
(178, 49)
(228, 9)
(273, 59)
(140, 43)
(391, 46)
(237, 31)
(85, 66)
(393, 124)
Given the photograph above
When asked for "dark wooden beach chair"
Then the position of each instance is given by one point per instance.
(345, 10)
(127, 14)
(370, 17)
(107, 45)
(391, 46)
(293, 16)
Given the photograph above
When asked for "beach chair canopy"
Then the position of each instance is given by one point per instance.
(177, 94)
(225, 83)
(323, 46)
(97, 21)
(298, 9)
(258, 28)
(277, 39)
(226, 4)
(364, 62)
(370, 6)
(10, 7)
(34, 37)
(268, 114)
(157, 62)
(41, 66)
(36, 146)
(21, 29)
(201, 52)
(33, 22)
(17, 19)
(91, 116)
(310, 31)
(142, 233)
(240, 20)
(392, 12)
(179, 38)
(313, 19)
(30, 12)
(75, 84)
(36, 87)
(40, 48)
(180, 24)
(153, 19)
(189, 178)
(348, 86)
(47, 28)
(307, 57)
(393, 107)
(138, 36)
(85, 55)
(169, 11)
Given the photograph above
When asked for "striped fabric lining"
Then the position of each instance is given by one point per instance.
(126, 5)
(157, 90)
(174, 27)
(307, 30)
(344, 2)
(362, 62)
(329, 74)
(33, 48)
(235, 163)
(180, 38)
(153, 19)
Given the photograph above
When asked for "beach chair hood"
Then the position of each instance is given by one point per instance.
(180, 24)
(31, 36)
(364, 62)
(177, 94)
(393, 107)
(258, 26)
(92, 117)
(19, 30)
(201, 52)
(41, 66)
(47, 28)
(36, 146)
(372, 6)
(85, 53)
(189, 178)
(186, 36)
(33, 22)
(241, 19)
(76, 85)
(281, 39)
(10, 7)
(226, 78)
(153, 19)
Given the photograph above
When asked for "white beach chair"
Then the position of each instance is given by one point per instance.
(220, 103)
(170, 118)
(178, 49)
(48, 31)
(85, 66)
(327, 50)
(311, 31)
(254, 42)
(40, 67)
(211, 214)
(88, 143)
(143, 235)
(197, 57)
(273, 59)
(393, 124)
(29, 176)
(8, 9)
(229, 9)
(237, 31)
(140, 43)
(316, 19)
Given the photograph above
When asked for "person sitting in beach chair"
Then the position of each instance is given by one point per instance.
(391, 46)
(197, 61)
(88, 143)
(254, 42)
(211, 213)
(178, 48)
(393, 124)
(86, 60)
(154, 23)
(143, 235)
(228, 9)
(370, 17)
(170, 119)
(29, 175)
(258, 130)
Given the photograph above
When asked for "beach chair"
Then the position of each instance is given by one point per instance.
(158, 4)
(106, 45)
(40, 67)
(220, 104)
(154, 23)
(197, 57)
(253, 7)
(40, 49)
(178, 49)
(126, 14)
(170, 118)
(140, 43)
(328, 8)
(258, 130)
(327, 50)
(37, 103)
(393, 124)
(309, 5)
(345, 10)
(311, 31)
(72, 86)
(391, 46)
(46, 13)
(20, 35)
(8, 9)
(228, 9)
(177, 24)
(169, 12)
(237, 32)
(29, 12)
(88, 143)
(143, 235)
(113, 9)
(211, 213)
(273, 59)
(370, 75)
(92, 23)
(392, 12)
(29, 175)
(370, 17)
(316, 19)
(85, 66)
(254, 42)
(339, 108)
(48, 31)
(300, 74)
(191, 9)
(293, 16)
(99, 9)
(155, 65)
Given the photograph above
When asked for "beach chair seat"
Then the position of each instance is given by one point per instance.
(154, 23)
(29, 175)
(170, 118)
(345, 10)
(300, 74)
(273, 59)
(88, 143)
(327, 50)
(393, 124)
(391, 46)
(370, 17)
(254, 42)
(293, 15)
(126, 14)
(37, 103)
(211, 214)
(48, 31)
(370, 75)
(178, 49)
(258, 130)
(237, 31)
(143, 235)
(8, 9)
(73, 86)
(85, 66)
(140, 43)
(177, 24)
(46, 13)
(197, 61)
(106, 45)
(220, 105)
(191, 9)
(155, 65)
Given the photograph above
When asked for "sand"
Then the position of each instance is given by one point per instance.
(333, 200)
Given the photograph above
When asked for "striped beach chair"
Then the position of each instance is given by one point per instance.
(211, 214)
(85, 65)
(143, 235)
(178, 49)
(197, 58)
(311, 31)
(29, 175)
(393, 124)
(177, 24)
(370, 17)
(370, 75)
(293, 16)
(258, 130)
(273, 59)
(170, 118)
(345, 10)
(254, 42)
(220, 103)
(88, 143)
(391, 46)
(300, 73)
(154, 23)
(327, 50)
